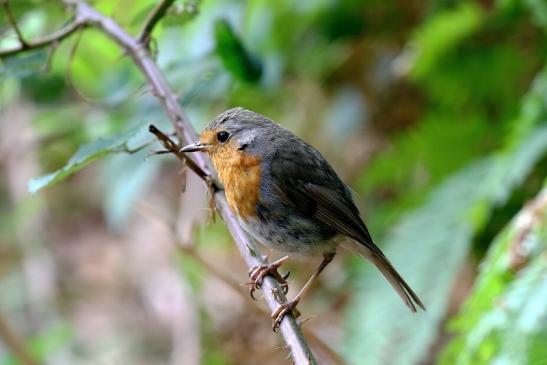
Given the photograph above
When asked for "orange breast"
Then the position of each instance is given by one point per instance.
(239, 172)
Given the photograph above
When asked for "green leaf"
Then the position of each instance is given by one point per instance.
(234, 55)
(538, 10)
(429, 246)
(45, 344)
(182, 14)
(440, 35)
(125, 178)
(84, 156)
(505, 318)
(24, 64)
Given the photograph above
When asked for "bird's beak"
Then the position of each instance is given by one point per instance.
(194, 147)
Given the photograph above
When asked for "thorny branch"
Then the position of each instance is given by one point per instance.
(45, 41)
(189, 250)
(85, 15)
(173, 148)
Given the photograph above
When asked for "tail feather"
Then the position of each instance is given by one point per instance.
(392, 276)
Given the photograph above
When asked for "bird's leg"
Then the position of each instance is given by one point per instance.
(257, 273)
(285, 308)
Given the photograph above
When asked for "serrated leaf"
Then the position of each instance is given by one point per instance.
(429, 246)
(235, 57)
(505, 318)
(84, 156)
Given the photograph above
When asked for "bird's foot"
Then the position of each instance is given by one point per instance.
(257, 274)
(282, 311)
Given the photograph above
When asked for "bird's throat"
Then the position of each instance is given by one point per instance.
(240, 174)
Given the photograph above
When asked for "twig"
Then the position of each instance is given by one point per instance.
(44, 41)
(289, 328)
(249, 252)
(189, 250)
(15, 345)
(11, 20)
(174, 148)
(153, 18)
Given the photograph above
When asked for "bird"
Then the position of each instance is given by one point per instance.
(287, 196)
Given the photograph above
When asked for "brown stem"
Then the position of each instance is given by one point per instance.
(153, 18)
(289, 328)
(15, 344)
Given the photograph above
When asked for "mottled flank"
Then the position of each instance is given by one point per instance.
(239, 172)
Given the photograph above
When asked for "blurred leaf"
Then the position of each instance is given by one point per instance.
(84, 156)
(46, 343)
(46, 88)
(181, 14)
(23, 64)
(125, 178)
(538, 10)
(139, 18)
(343, 19)
(234, 55)
(199, 87)
(441, 34)
(111, 80)
(419, 159)
(429, 246)
(505, 318)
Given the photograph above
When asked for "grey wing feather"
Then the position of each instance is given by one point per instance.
(305, 181)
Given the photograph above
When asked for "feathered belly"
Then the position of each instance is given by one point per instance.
(297, 236)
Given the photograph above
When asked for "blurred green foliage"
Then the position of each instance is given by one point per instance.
(85, 155)
(503, 320)
(435, 112)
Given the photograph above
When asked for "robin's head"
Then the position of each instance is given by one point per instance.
(234, 130)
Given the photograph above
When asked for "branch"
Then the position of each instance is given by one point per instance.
(175, 149)
(189, 250)
(15, 345)
(45, 41)
(273, 293)
(153, 18)
(11, 20)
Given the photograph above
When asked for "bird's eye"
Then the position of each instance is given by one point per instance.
(222, 136)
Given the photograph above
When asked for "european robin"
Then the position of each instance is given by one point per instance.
(287, 196)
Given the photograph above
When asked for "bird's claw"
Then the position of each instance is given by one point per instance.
(282, 311)
(257, 273)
